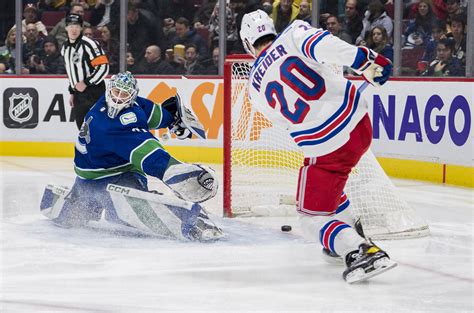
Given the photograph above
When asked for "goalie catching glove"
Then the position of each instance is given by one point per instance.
(185, 123)
(191, 182)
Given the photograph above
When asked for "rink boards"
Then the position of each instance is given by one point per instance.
(422, 128)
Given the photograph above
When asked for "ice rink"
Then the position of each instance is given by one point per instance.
(257, 268)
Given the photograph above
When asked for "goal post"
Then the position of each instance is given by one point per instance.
(261, 163)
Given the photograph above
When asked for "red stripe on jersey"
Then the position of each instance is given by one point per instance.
(335, 123)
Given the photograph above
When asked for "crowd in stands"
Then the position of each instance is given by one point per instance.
(181, 37)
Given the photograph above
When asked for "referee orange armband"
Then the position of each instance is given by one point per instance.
(101, 59)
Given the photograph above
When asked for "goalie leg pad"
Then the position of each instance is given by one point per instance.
(191, 182)
(70, 208)
(163, 215)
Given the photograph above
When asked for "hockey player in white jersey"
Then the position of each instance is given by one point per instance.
(297, 79)
(115, 153)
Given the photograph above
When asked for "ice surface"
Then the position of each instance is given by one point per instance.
(257, 268)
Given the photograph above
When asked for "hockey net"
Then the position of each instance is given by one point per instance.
(261, 164)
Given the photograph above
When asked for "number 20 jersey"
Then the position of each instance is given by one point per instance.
(297, 82)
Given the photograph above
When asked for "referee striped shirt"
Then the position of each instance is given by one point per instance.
(85, 61)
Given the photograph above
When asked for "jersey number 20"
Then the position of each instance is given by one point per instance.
(274, 91)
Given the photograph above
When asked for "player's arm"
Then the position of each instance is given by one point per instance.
(98, 60)
(174, 115)
(323, 47)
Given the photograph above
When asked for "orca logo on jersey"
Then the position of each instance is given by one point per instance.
(20, 109)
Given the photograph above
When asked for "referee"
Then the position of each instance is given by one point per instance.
(86, 67)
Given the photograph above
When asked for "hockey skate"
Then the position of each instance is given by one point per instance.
(366, 262)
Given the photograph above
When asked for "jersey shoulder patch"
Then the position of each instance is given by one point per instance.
(128, 118)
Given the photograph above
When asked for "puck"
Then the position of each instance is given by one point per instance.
(286, 228)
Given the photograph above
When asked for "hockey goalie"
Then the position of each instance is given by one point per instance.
(114, 154)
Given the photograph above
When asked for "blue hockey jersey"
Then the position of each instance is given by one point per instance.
(106, 147)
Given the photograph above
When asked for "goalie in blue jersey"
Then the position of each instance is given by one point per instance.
(114, 154)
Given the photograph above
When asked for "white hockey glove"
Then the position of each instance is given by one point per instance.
(185, 123)
(191, 182)
(379, 71)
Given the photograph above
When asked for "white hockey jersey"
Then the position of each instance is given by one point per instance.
(298, 80)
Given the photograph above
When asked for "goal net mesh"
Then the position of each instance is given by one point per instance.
(263, 162)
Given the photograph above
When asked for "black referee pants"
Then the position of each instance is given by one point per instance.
(83, 101)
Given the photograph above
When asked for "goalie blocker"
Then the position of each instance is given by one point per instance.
(149, 213)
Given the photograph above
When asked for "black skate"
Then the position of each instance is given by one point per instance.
(366, 262)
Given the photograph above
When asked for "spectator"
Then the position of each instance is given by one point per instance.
(458, 28)
(59, 30)
(104, 12)
(267, 7)
(203, 15)
(191, 64)
(305, 11)
(230, 27)
(88, 31)
(453, 8)
(177, 8)
(86, 4)
(33, 44)
(212, 67)
(379, 42)
(110, 43)
(7, 54)
(438, 31)
(284, 12)
(141, 32)
(186, 36)
(169, 31)
(445, 64)
(50, 60)
(438, 7)
(375, 16)
(30, 14)
(131, 65)
(418, 31)
(352, 23)
(334, 27)
(153, 64)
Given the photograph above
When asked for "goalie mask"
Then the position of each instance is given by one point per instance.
(255, 25)
(120, 93)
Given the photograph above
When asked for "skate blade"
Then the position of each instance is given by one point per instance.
(380, 266)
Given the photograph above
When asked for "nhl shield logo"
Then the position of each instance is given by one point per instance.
(20, 108)
(76, 57)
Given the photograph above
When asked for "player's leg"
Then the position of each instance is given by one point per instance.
(326, 212)
(81, 107)
(81, 205)
(163, 215)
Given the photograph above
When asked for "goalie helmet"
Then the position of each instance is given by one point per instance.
(120, 93)
(255, 25)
